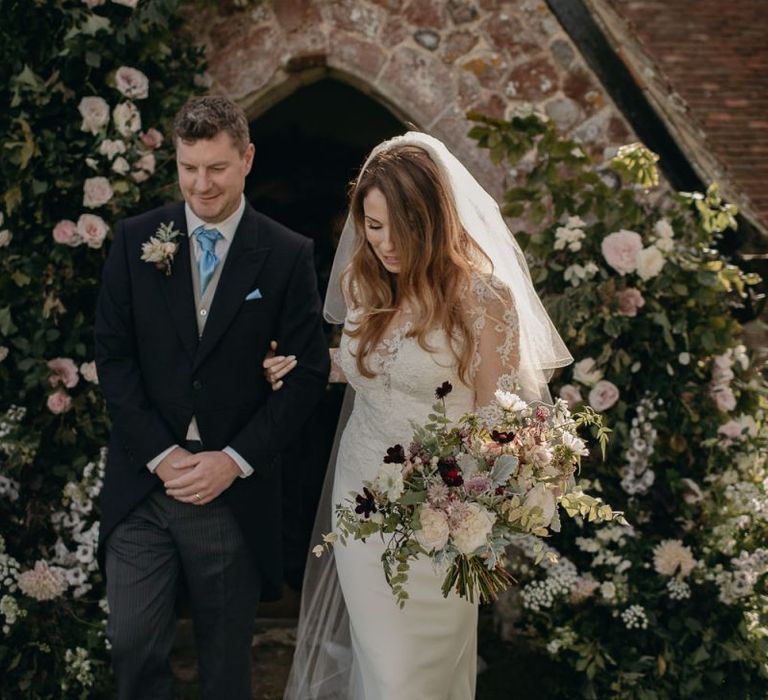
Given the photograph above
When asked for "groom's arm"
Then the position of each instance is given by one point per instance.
(143, 431)
(300, 332)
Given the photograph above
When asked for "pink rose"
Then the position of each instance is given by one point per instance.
(97, 191)
(620, 250)
(65, 232)
(92, 229)
(571, 395)
(64, 372)
(630, 300)
(59, 402)
(131, 83)
(95, 113)
(152, 138)
(603, 395)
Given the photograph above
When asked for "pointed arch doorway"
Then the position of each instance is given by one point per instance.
(309, 147)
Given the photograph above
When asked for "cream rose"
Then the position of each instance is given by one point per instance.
(620, 250)
(585, 372)
(571, 395)
(629, 300)
(97, 191)
(472, 528)
(121, 166)
(59, 402)
(604, 395)
(88, 370)
(434, 531)
(131, 83)
(650, 261)
(127, 118)
(110, 148)
(65, 232)
(540, 496)
(92, 229)
(95, 113)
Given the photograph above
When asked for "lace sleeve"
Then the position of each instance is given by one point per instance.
(495, 332)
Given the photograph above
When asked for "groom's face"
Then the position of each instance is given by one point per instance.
(212, 175)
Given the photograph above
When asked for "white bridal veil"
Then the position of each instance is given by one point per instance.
(322, 666)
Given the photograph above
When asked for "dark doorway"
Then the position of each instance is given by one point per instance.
(308, 149)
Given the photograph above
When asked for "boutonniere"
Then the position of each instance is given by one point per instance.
(161, 247)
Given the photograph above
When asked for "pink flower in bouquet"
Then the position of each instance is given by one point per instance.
(571, 395)
(470, 526)
(131, 83)
(478, 485)
(604, 395)
(64, 372)
(152, 138)
(92, 229)
(630, 300)
(65, 232)
(620, 250)
(434, 531)
(97, 191)
(59, 402)
(42, 582)
(438, 494)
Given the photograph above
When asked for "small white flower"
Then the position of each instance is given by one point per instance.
(608, 590)
(389, 481)
(684, 358)
(510, 401)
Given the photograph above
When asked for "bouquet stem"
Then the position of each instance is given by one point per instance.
(471, 578)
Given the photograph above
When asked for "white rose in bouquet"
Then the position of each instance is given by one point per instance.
(389, 481)
(470, 527)
(543, 497)
(434, 531)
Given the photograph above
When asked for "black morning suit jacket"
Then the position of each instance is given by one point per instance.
(156, 373)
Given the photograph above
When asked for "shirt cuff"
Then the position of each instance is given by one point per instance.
(155, 463)
(246, 468)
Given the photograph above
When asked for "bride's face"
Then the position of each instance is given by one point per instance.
(377, 230)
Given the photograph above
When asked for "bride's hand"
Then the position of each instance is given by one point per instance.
(277, 366)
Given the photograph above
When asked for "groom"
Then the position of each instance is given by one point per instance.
(192, 484)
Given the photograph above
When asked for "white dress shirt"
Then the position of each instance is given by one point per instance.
(227, 229)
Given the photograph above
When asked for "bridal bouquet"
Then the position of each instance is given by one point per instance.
(462, 492)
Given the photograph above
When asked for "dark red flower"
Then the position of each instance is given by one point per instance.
(450, 472)
(443, 390)
(365, 503)
(502, 437)
(395, 455)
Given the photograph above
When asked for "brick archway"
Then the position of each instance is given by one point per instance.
(427, 61)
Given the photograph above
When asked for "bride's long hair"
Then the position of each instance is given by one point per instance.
(436, 255)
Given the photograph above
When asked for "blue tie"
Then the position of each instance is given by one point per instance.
(208, 259)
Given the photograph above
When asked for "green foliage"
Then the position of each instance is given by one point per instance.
(52, 55)
(677, 605)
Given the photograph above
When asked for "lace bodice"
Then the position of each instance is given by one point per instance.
(402, 390)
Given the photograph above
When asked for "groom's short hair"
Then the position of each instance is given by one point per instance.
(205, 117)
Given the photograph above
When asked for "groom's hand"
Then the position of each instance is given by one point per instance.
(204, 476)
(165, 469)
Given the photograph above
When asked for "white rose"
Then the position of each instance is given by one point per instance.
(127, 118)
(92, 230)
(649, 262)
(434, 531)
(95, 113)
(586, 373)
(540, 496)
(604, 395)
(472, 529)
(5, 238)
(111, 148)
(620, 250)
(88, 370)
(121, 165)
(571, 395)
(132, 83)
(389, 481)
(97, 191)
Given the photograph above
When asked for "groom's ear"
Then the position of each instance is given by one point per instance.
(250, 151)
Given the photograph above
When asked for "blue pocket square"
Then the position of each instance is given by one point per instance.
(255, 294)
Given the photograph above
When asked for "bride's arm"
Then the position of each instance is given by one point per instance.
(496, 340)
(337, 375)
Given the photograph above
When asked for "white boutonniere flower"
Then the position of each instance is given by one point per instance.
(161, 248)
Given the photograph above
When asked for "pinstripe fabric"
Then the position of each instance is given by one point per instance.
(146, 555)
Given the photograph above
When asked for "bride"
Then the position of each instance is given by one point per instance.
(430, 287)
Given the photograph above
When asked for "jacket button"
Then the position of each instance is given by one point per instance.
(197, 385)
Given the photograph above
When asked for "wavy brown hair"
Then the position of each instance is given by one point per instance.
(435, 253)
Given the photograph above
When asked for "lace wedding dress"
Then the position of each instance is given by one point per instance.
(428, 649)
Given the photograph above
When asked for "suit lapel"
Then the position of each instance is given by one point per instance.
(178, 290)
(245, 257)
